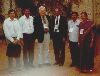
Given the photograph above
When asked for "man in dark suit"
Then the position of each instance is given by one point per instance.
(58, 34)
(41, 23)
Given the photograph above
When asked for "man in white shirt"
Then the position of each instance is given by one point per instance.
(27, 27)
(13, 34)
(73, 28)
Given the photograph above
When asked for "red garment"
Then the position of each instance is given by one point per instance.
(85, 38)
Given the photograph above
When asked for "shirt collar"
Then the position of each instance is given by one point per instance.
(12, 20)
(75, 21)
(58, 16)
(26, 17)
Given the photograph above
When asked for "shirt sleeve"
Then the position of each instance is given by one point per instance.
(20, 35)
(21, 24)
(6, 31)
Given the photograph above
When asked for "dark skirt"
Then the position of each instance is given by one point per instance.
(86, 53)
(13, 50)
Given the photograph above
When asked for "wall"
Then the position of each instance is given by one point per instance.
(92, 7)
(6, 6)
(96, 10)
(84, 6)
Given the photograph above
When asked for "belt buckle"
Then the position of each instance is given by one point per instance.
(14, 38)
(56, 30)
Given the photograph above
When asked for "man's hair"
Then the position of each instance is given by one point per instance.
(25, 9)
(11, 10)
(42, 8)
(74, 13)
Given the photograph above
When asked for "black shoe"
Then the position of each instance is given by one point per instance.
(84, 71)
(60, 64)
(56, 63)
(90, 70)
(77, 66)
(72, 65)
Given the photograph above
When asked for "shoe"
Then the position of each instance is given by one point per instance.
(90, 70)
(40, 65)
(11, 71)
(56, 63)
(31, 66)
(47, 64)
(77, 66)
(72, 65)
(84, 71)
(18, 69)
(60, 64)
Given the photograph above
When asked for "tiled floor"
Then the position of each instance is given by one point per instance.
(45, 70)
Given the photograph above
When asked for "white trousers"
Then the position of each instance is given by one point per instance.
(43, 50)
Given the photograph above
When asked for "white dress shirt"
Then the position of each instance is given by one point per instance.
(45, 25)
(73, 28)
(12, 29)
(26, 24)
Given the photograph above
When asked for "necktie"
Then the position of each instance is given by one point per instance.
(44, 21)
(56, 20)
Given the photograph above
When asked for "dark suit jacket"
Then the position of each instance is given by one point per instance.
(63, 26)
(39, 29)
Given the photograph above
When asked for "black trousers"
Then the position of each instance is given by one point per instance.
(13, 50)
(59, 48)
(74, 51)
(28, 49)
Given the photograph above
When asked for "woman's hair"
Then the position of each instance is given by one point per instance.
(84, 13)
(74, 13)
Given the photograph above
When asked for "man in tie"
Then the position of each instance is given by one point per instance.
(42, 29)
(58, 34)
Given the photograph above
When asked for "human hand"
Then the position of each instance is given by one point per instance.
(46, 30)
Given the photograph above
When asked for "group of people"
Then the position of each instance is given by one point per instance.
(22, 33)
(81, 42)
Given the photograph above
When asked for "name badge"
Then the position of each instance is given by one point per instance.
(29, 27)
(56, 30)
(45, 26)
(81, 31)
(71, 30)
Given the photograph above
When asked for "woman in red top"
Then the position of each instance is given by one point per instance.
(86, 44)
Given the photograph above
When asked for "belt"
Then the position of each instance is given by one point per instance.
(28, 33)
(14, 38)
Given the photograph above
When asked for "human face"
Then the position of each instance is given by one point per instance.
(42, 12)
(74, 17)
(57, 12)
(84, 17)
(27, 12)
(12, 15)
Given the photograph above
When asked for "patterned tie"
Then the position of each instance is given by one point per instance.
(56, 20)
(43, 18)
